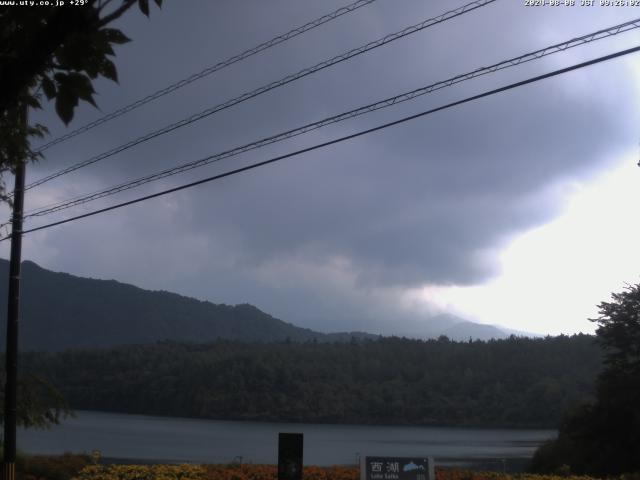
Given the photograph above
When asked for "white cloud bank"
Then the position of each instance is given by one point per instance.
(554, 276)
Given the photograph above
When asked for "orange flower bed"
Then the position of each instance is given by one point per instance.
(457, 474)
(270, 472)
(79, 467)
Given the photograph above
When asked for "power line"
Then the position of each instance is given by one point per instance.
(560, 47)
(271, 86)
(340, 139)
(209, 70)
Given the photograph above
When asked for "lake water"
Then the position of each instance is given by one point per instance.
(146, 438)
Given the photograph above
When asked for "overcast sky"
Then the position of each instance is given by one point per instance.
(519, 209)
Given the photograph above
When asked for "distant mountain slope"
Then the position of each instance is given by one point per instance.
(457, 328)
(465, 330)
(61, 311)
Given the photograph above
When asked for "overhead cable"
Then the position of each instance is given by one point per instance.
(271, 86)
(338, 140)
(209, 70)
(559, 47)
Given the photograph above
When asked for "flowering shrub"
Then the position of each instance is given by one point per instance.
(141, 472)
(77, 468)
(457, 474)
(46, 467)
(270, 472)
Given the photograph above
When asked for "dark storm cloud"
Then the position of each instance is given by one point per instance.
(420, 203)
(338, 233)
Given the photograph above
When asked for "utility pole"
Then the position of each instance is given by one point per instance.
(11, 355)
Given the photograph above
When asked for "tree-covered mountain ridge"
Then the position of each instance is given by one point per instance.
(60, 310)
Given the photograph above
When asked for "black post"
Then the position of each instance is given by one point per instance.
(290, 449)
(11, 355)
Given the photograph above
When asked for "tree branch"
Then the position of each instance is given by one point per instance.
(102, 5)
(117, 13)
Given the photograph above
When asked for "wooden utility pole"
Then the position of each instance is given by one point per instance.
(11, 355)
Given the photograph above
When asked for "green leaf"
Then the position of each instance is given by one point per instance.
(39, 130)
(108, 50)
(65, 103)
(108, 70)
(144, 6)
(101, 41)
(113, 35)
(75, 52)
(81, 87)
(92, 65)
(90, 100)
(71, 88)
(86, 96)
(33, 102)
(48, 87)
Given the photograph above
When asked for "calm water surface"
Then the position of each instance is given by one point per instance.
(169, 439)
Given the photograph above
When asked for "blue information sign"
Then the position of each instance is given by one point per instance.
(396, 468)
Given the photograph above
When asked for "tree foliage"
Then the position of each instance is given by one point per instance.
(604, 438)
(56, 52)
(40, 405)
(514, 382)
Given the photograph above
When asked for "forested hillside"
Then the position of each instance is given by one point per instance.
(513, 382)
(61, 311)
